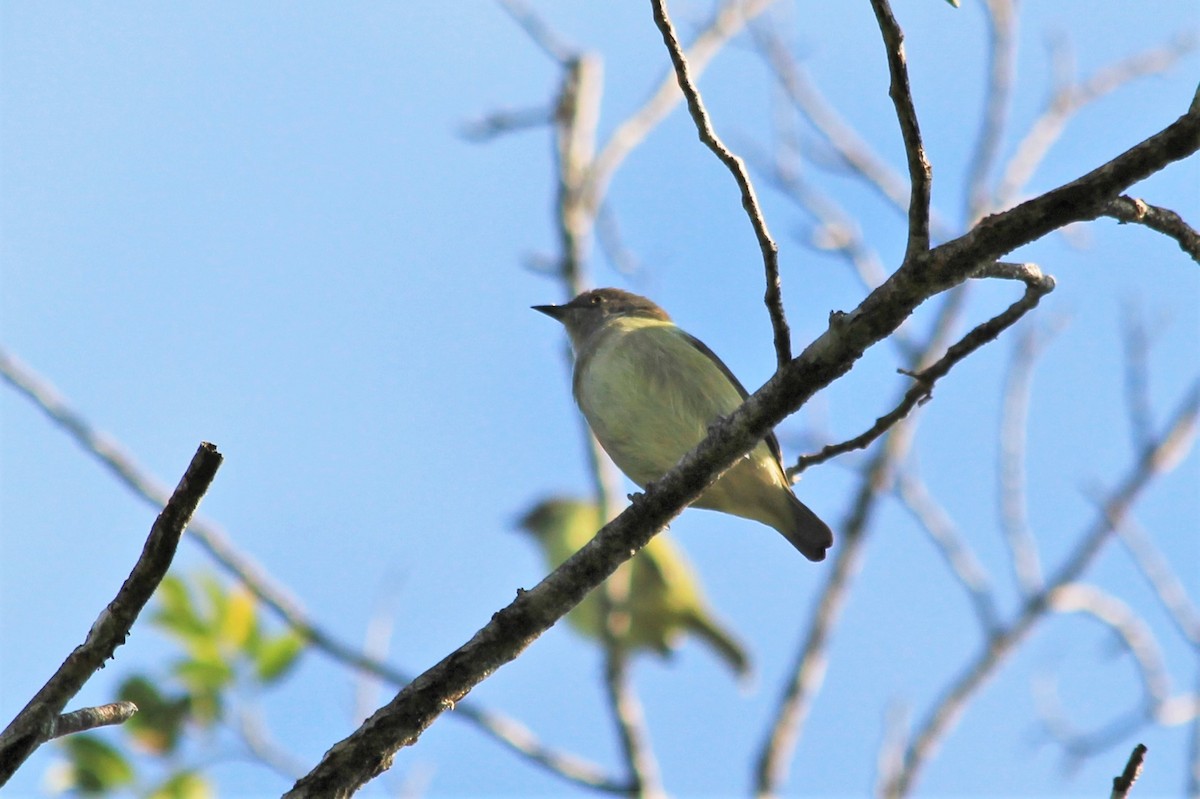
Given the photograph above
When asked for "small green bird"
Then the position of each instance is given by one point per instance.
(650, 391)
(664, 599)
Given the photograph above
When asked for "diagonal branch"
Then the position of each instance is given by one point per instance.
(1065, 102)
(808, 671)
(1167, 586)
(370, 749)
(213, 540)
(766, 244)
(962, 561)
(1153, 461)
(538, 31)
(36, 723)
(1037, 286)
(1123, 784)
(1126, 209)
(850, 147)
(730, 18)
(90, 718)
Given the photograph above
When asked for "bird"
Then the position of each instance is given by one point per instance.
(650, 392)
(664, 601)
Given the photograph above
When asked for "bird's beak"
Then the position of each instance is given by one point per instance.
(553, 311)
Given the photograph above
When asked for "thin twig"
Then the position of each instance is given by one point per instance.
(1149, 464)
(850, 147)
(1136, 341)
(954, 550)
(893, 742)
(1037, 286)
(89, 718)
(1002, 71)
(1013, 434)
(1064, 103)
(35, 724)
(731, 16)
(1138, 640)
(538, 31)
(1162, 578)
(216, 543)
(252, 731)
(1133, 769)
(920, 174)
(631, 724)
(1128, 627)
(499, 123)
(1128, 209)
(808, 671)
(766, 244)
(576, 121)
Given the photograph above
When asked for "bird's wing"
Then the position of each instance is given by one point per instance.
(772, 441)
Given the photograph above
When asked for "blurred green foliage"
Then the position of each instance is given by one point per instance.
(224, 651)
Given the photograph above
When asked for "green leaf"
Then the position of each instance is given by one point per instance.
(95, 766)
(175, 613)
(238, 619)
(277, 655)
(184, 785)
(158, 725)
(204, 674)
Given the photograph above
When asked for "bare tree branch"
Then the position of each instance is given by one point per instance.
(1166, 448)
(499, 123)
(539, 32)
(1157, 704)
(631, 724)
(90, 718)
(730, 18)
(766, 244)
(216, 543)
(1002, 70)
(1014, 510)
(851, 148)
(1162, 578)
(1037, 286)
(1133, 769)
(369, 750)
(37, 722)
(1128, 209)
(808, 671)
(1066, 100)
(920, 174)
(954, 550)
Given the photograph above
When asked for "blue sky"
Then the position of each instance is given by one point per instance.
(257, 225)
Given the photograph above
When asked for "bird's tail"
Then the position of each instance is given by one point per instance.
(806, 531)
(722, 643)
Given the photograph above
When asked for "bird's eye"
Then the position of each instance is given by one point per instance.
(596, 299)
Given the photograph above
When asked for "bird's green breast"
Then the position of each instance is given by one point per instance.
(649, 394)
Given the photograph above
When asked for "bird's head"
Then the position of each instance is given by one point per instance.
(592, 310)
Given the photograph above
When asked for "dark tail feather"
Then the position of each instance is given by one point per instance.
(807, 532)
(728, 649)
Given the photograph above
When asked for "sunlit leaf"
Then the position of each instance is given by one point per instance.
(277, 655)
(95, 766)
(238, 620)
(158, 724)
(184, 785)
